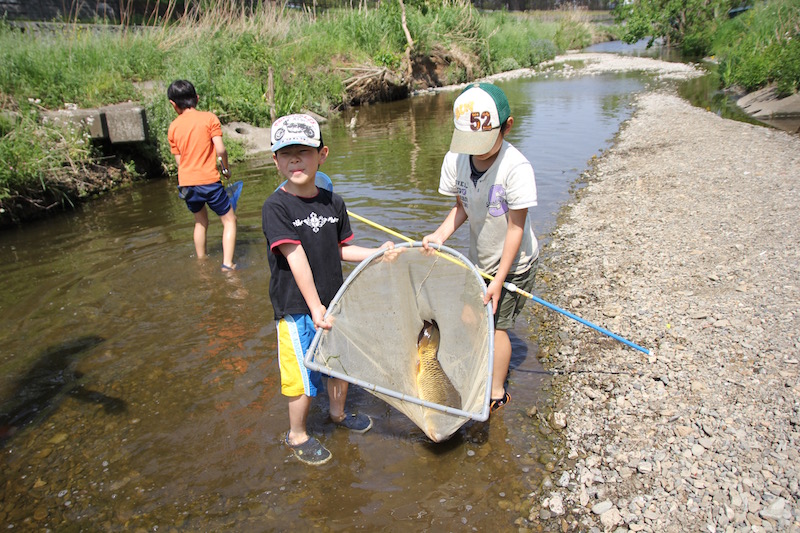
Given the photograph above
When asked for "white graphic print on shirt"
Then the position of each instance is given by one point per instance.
(315, 222)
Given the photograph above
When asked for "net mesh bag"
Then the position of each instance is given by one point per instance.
(377, 317)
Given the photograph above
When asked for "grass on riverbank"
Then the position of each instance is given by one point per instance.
(755, 48)
(228, 54)
(761, 46)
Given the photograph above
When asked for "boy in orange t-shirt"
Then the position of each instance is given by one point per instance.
(195, 139)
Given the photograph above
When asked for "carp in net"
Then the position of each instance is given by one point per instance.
(413, 331)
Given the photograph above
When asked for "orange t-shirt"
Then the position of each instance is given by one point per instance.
(190, 137)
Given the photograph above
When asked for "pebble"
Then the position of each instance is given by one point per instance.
(602, 507)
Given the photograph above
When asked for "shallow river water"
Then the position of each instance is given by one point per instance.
(139, 388)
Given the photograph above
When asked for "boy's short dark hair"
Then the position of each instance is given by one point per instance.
(183, 94)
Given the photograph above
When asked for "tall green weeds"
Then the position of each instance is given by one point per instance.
(517, 42)
(762, 46)
(40, 163)
(44, 163)
(684, 24)
(78, 65)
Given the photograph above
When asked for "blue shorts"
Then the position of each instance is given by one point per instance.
(295, 333)
(213, 194)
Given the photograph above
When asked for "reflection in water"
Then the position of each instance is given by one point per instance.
(637, 49)
(192, 351)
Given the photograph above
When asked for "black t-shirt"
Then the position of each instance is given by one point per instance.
(319, 224)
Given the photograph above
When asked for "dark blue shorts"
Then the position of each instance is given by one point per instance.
(214, 195)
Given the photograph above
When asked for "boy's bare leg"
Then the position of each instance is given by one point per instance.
(337, 394)
(228, 237)
(200, 230)
(502, 359)
(298, 414)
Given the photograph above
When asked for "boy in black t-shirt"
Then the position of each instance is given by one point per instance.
(308, 233)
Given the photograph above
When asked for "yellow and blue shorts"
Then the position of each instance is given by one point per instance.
(295, 333)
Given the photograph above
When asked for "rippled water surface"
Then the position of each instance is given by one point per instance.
(139, 388)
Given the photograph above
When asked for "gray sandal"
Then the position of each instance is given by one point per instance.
(360, 423)
(310, 452)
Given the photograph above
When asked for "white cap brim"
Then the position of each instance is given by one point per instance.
(473, 142)
(289, 142)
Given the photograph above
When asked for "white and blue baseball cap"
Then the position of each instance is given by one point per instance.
(295, 129)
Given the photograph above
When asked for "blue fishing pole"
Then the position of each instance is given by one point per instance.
(513, 288)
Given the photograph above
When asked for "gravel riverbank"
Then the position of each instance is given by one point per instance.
(685, 241)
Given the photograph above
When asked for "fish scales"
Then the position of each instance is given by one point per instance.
(433, 385)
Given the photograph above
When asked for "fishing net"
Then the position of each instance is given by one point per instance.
(377, 317)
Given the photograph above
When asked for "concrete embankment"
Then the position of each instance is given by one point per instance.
(766, 105)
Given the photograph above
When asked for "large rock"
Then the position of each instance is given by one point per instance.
(256, 140)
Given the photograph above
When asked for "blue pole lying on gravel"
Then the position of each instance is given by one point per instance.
(513, 288)
(581, 320)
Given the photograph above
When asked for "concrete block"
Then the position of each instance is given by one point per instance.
(92, 119)
(126, 122)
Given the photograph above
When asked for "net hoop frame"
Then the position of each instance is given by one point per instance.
(453, 256)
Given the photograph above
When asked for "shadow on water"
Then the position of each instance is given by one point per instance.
(51, 378)
(519, 351)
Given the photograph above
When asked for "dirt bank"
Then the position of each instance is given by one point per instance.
(684, 240)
